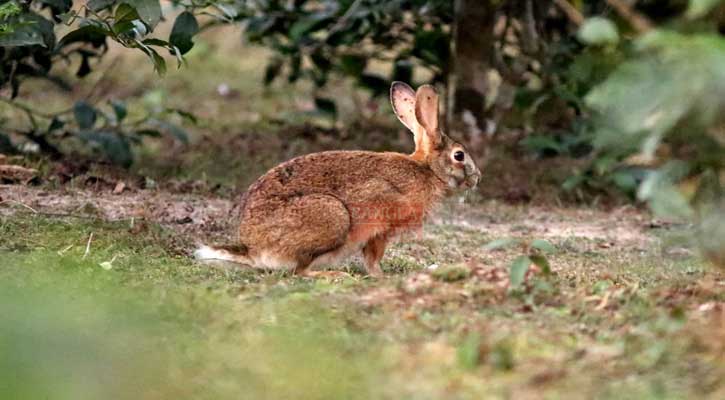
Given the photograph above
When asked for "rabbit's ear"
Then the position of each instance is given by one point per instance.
(426, 108)
(402, 97)
(426, 112)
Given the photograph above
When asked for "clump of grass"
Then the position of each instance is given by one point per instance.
(451, 273)
(399, 265)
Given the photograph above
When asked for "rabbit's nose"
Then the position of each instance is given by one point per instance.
(476, 179)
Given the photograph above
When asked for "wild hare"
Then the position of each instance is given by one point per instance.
(319, 208)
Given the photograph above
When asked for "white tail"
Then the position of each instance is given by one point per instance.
(206, 253)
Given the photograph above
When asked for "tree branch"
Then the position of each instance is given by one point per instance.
(639, 22)
(570, 11)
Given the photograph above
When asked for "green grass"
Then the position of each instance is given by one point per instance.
(158, 325)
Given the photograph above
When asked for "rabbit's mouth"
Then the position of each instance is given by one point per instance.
(471, 181)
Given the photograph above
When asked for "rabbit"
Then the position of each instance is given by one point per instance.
(319, 208)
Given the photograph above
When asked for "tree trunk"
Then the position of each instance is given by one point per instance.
(473, 42)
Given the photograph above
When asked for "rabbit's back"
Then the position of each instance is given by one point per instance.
(351, 176)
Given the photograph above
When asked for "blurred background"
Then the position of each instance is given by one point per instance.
(599, 92)
(599, 104)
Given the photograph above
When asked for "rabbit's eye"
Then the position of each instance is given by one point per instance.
(459, 156)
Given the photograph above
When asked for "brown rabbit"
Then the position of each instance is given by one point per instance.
(321, 207)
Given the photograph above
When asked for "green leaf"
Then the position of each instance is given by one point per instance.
(542, 143)
(98, 5)
(625, 180)
(119, 108)
(60, 5)
(174, 130)
(185, 27)
(87, 33)
(326, 106)
(113, 145)
(68, 18)
(469, 352)
(9, 9)
(659, 191)
(501, 244)
(156, 59)
(148, 10)
(543, 245)
(683, 77)
(124, 19)
(598, 31)
(402, 70)
(125, 13)
(573, 182)
(6, 146)
(308, 24)
(22, 36)
(321, 60)
(28, 29)
(190, 117)
(700, 8)
(710, 191)
(542, 262)
(517, 271)
(711, 233)
(259, 26)
(375, 83)
(155, 42)
(432, 46)
(149, 132)
(353, 65)
(502, 355)
(55, 124)
(274, 67)
(85, 115)
(601, 286)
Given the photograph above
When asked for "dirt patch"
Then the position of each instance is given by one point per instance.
(212, 218)
(624, 226)
(200, 216)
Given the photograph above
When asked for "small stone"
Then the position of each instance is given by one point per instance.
(120, 186)
(185, 220)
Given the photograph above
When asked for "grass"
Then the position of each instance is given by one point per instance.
(158, 325)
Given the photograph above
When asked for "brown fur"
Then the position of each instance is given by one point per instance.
(320, 207)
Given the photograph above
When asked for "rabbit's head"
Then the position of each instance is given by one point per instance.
(449, 160)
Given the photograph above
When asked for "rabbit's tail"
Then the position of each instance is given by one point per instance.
(236, 254)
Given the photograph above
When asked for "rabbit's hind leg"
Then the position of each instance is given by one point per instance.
(310, 227)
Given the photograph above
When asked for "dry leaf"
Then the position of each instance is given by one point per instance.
(17, 174)
(120, 186)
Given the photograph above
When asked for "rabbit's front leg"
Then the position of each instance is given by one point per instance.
(373, 252)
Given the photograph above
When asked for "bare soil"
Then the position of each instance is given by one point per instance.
(208, 217)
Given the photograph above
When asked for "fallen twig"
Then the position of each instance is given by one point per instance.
(20, 204)
(88, 246)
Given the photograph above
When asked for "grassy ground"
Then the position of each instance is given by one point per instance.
(100, 299)
(136, 318)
